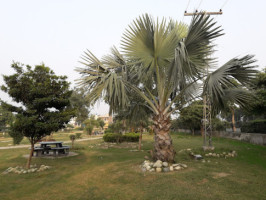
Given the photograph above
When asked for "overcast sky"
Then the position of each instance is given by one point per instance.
(56, 32)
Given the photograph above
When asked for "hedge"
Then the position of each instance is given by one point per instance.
(118, 138)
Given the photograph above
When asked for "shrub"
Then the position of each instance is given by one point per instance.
(118, 138)
(112, 137)
(78, 135)
(108, 131)
(131, 137)
(254, 126)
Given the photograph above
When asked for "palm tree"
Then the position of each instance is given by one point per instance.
(164, 64)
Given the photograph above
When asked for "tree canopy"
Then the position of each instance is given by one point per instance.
(81, 104)
(43, 99)
(6, 118)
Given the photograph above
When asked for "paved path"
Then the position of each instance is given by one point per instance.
(27, 145)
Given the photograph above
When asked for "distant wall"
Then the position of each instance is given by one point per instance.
(254, 138)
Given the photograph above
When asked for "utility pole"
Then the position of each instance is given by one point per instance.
(207, 117)
(203, 13)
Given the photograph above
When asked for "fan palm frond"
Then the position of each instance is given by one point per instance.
(223, 78)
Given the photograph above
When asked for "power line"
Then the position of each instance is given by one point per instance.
(199, 4)
(224, 4)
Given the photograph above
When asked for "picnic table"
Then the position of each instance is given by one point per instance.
(55, 147)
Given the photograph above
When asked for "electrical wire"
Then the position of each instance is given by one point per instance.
(199, 4)
(226, 1)
(187, 4)
(186, 9)
(224, 4)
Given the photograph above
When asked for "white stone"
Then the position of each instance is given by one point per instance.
(158, 164)
(148, 167)
(165, 164)
(158, 169)
(175, 165)
(171, 168)
(178, 168)
(184, 165)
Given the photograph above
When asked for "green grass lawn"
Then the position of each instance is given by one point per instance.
(114, 173)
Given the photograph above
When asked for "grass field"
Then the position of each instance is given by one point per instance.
(114, 173)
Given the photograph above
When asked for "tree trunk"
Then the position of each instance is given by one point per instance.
(30, 156)
(140, 138)
(163, 147)
(201, 131)
(72, 144)
(233, 120)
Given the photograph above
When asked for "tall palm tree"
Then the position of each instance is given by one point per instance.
(163, 63)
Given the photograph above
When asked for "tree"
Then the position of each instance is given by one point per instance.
(163, 64)
(90, 124)
(80, 103)
(258, 103)
(72, 137)
(44, 102)
(191, 116)
(6, 118)
(101, 123)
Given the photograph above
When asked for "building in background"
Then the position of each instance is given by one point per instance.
(107, 120)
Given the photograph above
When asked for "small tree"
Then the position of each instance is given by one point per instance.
(101, 123)
(44, 102)
(72, 138)
(90, 124)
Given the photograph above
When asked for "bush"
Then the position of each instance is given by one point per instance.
(254, 126)
(131, 137)
(78, 135)
(112, 137)
(108, 131)
(118, 138)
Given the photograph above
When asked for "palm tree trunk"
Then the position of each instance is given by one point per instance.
(140, 138)
(30, 156)
(163, 147)
(233, 120)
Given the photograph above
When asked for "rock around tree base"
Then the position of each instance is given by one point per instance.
(159, 166)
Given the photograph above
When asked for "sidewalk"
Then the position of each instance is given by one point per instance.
(27, 146)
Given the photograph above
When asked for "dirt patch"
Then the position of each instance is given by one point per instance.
(203, 181)
(220, 175)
